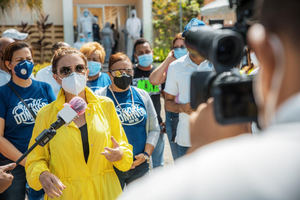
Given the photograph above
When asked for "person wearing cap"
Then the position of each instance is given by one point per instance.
(178, 84)
(246, 167)
(14, 34)
(4, 73)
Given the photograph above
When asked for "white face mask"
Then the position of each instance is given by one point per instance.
(270, 102)
(74, 83)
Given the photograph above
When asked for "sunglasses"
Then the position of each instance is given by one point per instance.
(119, 72)
(67, 70)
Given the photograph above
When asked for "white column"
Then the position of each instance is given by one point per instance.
(68, 21)
(147, 20)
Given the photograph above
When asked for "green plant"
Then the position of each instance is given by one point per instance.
(166, 22)
(6, 5)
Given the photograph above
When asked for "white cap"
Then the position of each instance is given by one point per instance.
(14, 34)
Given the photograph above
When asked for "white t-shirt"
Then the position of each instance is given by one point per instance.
(46, 75)
(178, 83)
(4, 77)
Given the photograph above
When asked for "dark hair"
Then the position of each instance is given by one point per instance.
(63, 52)
(58, 45)
(12, 48)
(116, 58)
(280, 17)
(139, 42)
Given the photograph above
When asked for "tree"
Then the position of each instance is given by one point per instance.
(166, 22)
(31, 4)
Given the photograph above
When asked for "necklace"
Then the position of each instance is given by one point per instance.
(113, 94)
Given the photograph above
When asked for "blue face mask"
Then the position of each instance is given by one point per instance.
(81, 39)
(24, 69)
(85, 14)
(94, 68)
(145, 60)
(179, 52)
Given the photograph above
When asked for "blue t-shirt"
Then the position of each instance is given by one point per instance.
(102, 81)
(133, 119)
(18, 120)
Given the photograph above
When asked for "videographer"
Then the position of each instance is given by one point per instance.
(178, 84)
(251, 167)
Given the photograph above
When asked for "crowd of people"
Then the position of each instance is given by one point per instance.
(112, 146)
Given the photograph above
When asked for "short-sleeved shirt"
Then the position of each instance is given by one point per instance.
(18, 120)
(4, 77)
(133, 118)
(141, 81)
(102, 81)
(178, 83)
(46, 75)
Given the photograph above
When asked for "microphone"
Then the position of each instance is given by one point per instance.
(70, 111)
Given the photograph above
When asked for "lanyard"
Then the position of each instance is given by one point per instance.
(113, 94)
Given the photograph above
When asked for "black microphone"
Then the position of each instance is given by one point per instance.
(66, 115)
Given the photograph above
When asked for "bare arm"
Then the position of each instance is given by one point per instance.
(158, 76)
(6, 148)
(172, 106)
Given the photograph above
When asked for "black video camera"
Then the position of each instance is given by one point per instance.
(232, 91)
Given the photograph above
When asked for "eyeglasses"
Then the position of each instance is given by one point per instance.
(119, 72)
(182, 47)
(67, 70)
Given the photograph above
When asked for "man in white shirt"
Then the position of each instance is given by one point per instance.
(46, 75)
(4, 74)
(264, 167)
(178, 84)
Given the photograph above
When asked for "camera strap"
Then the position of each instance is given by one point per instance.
(26, 105)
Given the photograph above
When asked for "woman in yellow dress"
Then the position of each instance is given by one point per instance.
(78, 162)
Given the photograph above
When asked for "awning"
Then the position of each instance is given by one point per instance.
(216, 7)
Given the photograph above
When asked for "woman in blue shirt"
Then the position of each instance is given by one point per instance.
(137, 114)
(16, 121)
(95, 55)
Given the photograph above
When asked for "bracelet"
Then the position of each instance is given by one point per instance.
(146, 154)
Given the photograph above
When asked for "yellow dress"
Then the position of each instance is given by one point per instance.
(63, 155)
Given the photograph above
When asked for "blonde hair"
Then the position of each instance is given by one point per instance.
(93, 47)
(64, 51)
(177, 37)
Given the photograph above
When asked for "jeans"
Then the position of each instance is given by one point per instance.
(171, 128)
(133, 174)
(17, 189)
(181, 150)
(158, 153)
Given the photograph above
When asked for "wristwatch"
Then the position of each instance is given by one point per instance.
(147, 157)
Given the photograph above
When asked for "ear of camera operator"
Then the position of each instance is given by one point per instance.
(177, 88)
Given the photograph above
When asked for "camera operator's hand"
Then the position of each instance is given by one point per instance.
(204, 129)
(186, 108)
(5, 177)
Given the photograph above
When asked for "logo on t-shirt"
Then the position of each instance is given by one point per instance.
(22, 115)
(144, 84)
(130, 115)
